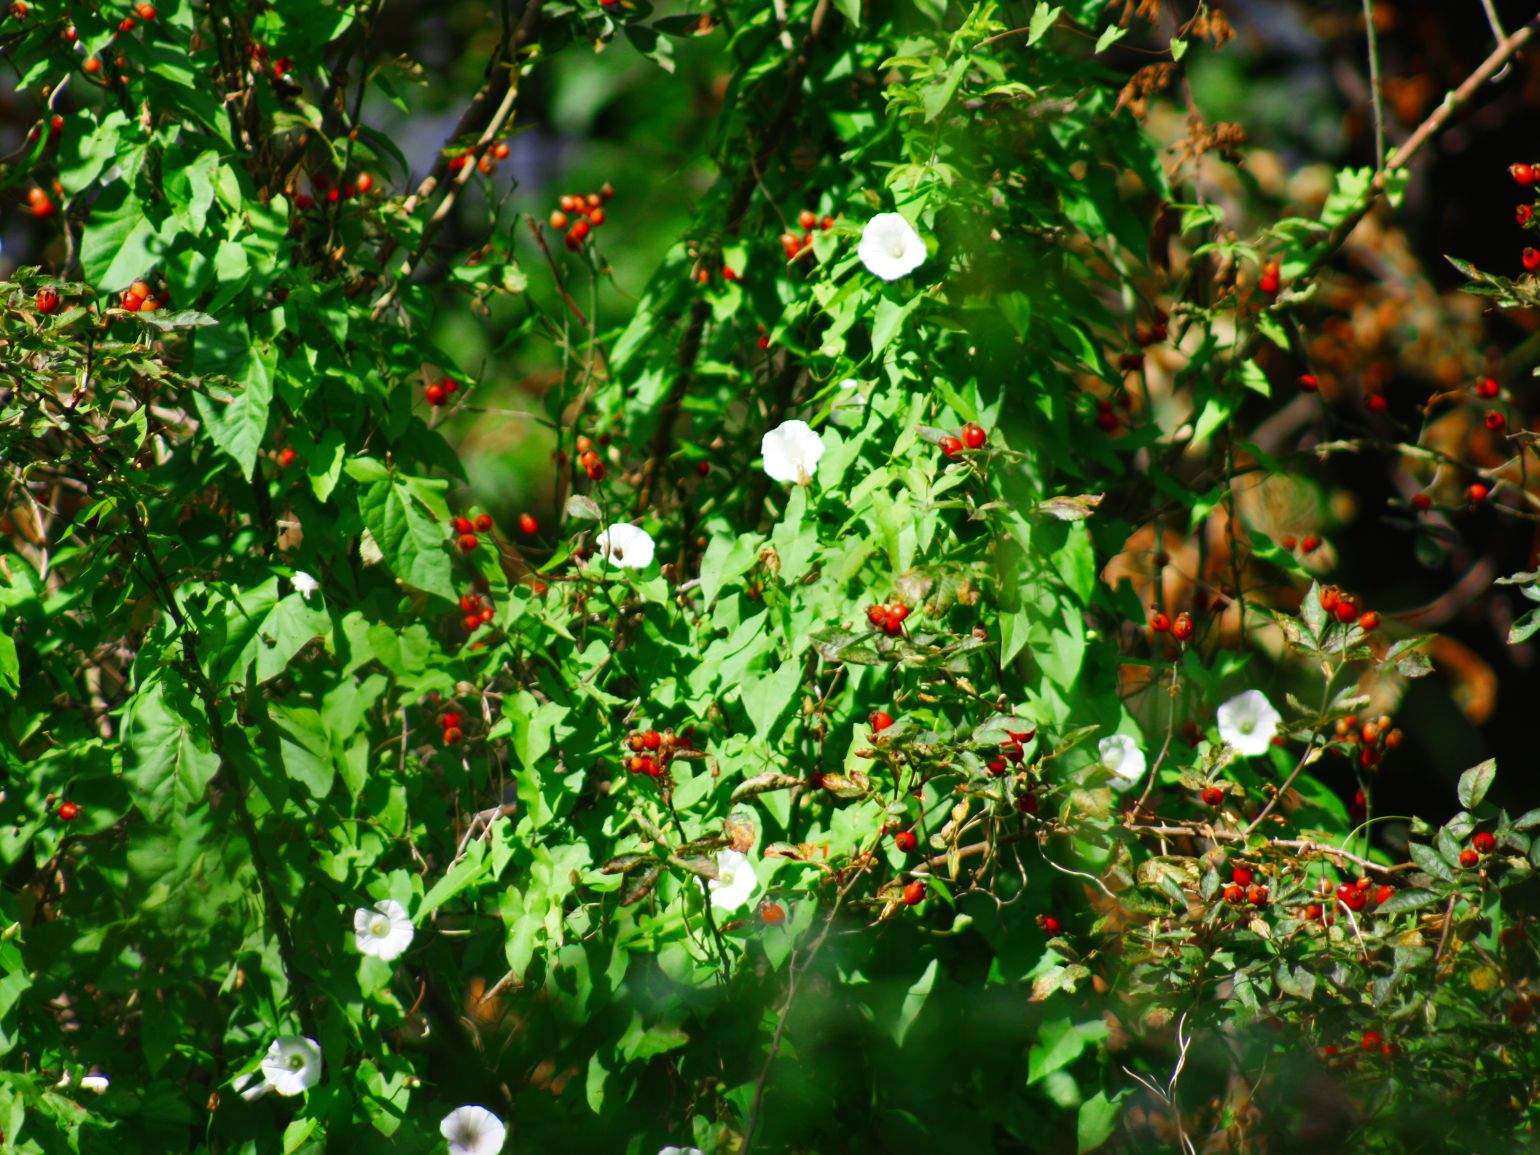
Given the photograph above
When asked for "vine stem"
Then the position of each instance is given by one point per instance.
(1376, 97)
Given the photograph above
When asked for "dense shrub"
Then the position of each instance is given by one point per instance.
(905, 729)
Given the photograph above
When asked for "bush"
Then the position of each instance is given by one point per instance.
(902, 728)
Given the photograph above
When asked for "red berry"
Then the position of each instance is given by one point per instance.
(1310, 544)
(771, 913)
(905, 841)
(1371, 1040)
(1523, 214)
(1421, 502)
(951, 446)
(1487, 388)
(286, 457)
(1312, 912)
(1523, 174)
(651, 740)
(1050, 924)
(484, 522)
(879, 720)
(449, 720)
(1181, 628)
(1483, 842)
(914, 893)
(973, 436)
(68, 811)
(462, 525)
(146, 12)
(1160, 622)
(1234, 894)
(1329, 598)
(434, 394)
(1212, 796)
(1377, 403)
(1241, 875)
(471, 622)
(453, 735)
(1345, 611)
(127, 24)
(1469, 858)
(1531, 259)
(47, 301)
(1494, 420)
(997, 766)
(807, 219)
(468, 542)
(1476, 493)
(363, 183)
(1383, 893)
(1369, 621)
(1308, 382)
(1256, 895)
(579, 229)
(449, 386)
(528, 526)
(1351, 897)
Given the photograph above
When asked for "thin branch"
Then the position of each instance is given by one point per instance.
(1376, 96)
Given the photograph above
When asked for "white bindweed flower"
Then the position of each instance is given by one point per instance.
(626, 546)
(791, 452)
(304, 584)
(382, 930)
(96, 1083)
(292, 1065)
(680, 1151)
(735, 882)
(1121, 755)
(473, 1130)
(1247, 723)
(890, 248)
(251, 1085)
(849, 406)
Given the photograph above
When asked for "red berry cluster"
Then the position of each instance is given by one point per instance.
(467, 528)
(322, 188)
(140, 298)
(486, 163)
(580, 215)
(1271, 278)
(437, 392)
(970, 436)
(888, 617)
(1345, 608)
(477, 611)
(807, 220)
(1244, 888)
(1374, 737)
(1180, 627)
(450, 722)
(1306, 545)
(588, 459)
(653, 750)
(1482, 842)
(1011, 751)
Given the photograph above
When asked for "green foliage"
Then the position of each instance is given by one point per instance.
(239, 629)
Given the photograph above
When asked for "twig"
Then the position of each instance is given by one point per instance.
(1376, 97)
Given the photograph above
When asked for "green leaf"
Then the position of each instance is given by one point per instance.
(1059, 1043)
(1042, 20)
(1475, 783)
(1430, 861)
(168, 759)
(396, 510)
(238, 422)
(10, 666)
(766, 697)
(1097, 1119)
(914, 1002)
(120, 242)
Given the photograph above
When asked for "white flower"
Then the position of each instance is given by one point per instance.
(304, 584)
(1121, 755)
(473, 1130)
(791, 452)
(292, 1065)
(94, 1083)
(849, 404)
(251, 1085)
(735, 882)
(382, 930)
(626, 546)
(890, 248)
(680, 1151)
(1247, 723)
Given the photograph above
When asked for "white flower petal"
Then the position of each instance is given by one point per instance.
(680, 1151)
(791, 451)
(1248, 723)
(849, 408)
(890, 248)
(735, 883)
(251, 1085)
(304, 584)
(292, 1064)
(96, 1084)
(626, 546)
(1122, 756)
(383, 930)
(473, 1130)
